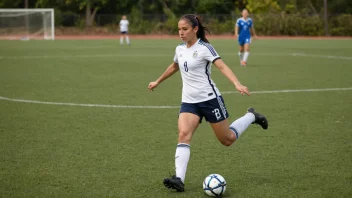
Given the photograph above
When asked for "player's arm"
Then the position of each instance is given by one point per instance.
(173, 68)
(236, 27)
(236, 30)
(231, 76)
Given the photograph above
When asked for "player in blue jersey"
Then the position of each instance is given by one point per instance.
(243, 28)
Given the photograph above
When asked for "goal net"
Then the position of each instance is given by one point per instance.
(27, 24)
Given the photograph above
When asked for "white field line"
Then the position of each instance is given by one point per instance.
(164, 107)
(169, 54)
(114, 55)
(81, 56)
(88, 105)
(322, 56)
(292, 90)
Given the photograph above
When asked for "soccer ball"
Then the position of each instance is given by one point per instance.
(214, 185)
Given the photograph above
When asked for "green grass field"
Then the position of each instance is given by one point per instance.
(61, 150)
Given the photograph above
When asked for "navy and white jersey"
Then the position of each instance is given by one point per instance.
(244, 28)
(195, 67)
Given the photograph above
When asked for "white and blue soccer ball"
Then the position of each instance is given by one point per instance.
(214, 185)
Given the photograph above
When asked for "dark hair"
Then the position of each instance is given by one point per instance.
(195, 21)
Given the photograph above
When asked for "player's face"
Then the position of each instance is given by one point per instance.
(244, 13)
(186, 32)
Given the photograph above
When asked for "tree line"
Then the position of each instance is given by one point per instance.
(272, 17)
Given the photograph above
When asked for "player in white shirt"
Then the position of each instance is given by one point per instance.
(124, 30)
(200, 96)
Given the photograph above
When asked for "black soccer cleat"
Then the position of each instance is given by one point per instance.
(259, 119)
(174, 183)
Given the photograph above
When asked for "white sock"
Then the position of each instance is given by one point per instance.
(241, 124)
(245, 56)
(240, 54)
(127, 40)
(181, 160)
(121, 40)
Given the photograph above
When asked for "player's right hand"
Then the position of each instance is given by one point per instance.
(152, 85)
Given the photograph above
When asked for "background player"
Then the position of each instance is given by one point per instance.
(200, 96)
(243, 26)
(124, 30)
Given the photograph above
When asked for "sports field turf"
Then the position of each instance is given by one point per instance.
(60, 149)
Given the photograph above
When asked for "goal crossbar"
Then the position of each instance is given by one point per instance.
(27, 10)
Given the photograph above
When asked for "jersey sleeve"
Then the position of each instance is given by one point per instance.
(251, 24)
(209, 53)
(238, 23)
(176, 57)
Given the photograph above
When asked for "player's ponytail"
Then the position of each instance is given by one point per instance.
(195, 21)
(201, 30)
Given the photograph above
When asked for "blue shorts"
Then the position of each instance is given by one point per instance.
(124, 32)
(213, 110)
(242, 41)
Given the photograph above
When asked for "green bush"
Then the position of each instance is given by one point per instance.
(265, 24)
(217, 27)
(290, 25)
(141, 27)
(167, 27)
(341, 25)
(312, 26)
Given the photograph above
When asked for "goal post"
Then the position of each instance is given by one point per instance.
(27, 24)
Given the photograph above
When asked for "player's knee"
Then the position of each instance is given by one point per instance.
(226, 142)
(184, 135)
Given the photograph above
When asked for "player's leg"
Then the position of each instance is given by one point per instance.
(121, 38)
(188, 122)
(241, 50)
(246, 51)
(216, 114)
(227, 135)
(127, 39)
(223, 133)
(187, 125)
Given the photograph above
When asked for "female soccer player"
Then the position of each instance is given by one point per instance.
(124, 30)
(200, 96)
(244, 25)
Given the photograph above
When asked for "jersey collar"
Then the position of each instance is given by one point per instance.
(193, 44)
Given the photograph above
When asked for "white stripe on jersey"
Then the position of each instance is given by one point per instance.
(222, 106)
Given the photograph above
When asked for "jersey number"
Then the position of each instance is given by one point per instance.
(185, 65)
(217, 113)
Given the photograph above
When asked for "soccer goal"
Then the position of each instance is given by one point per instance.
(27, 24)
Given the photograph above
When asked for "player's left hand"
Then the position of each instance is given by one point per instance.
(243, 90)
